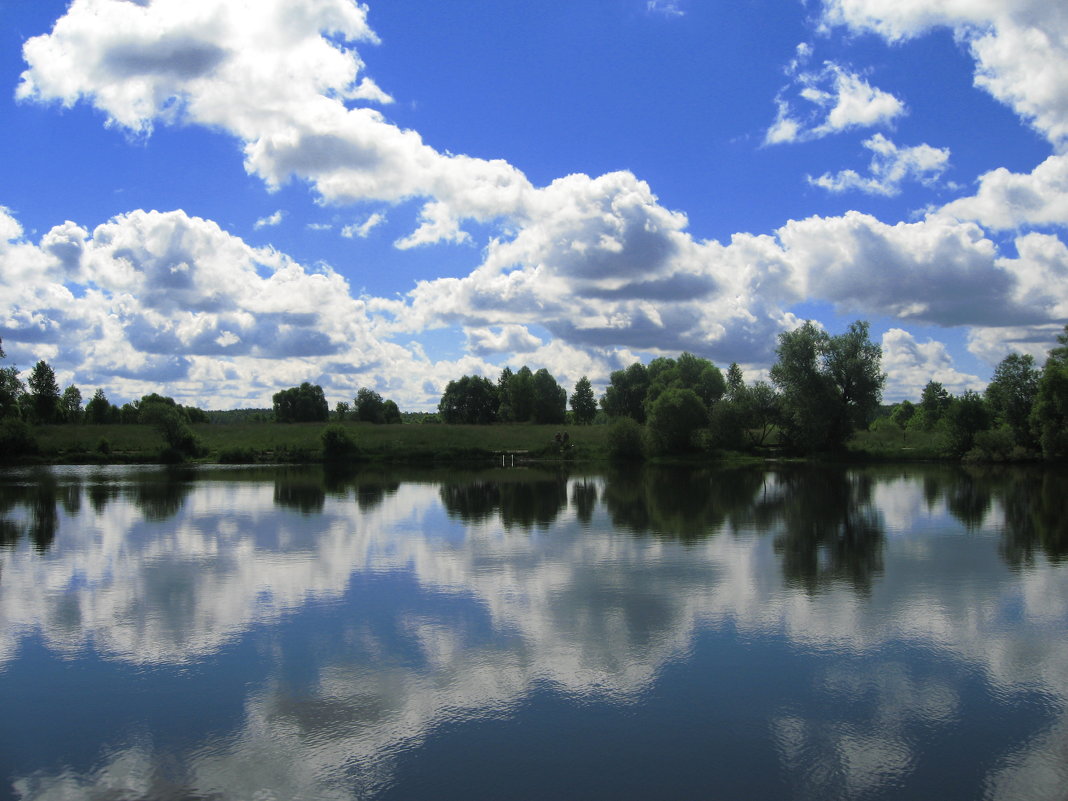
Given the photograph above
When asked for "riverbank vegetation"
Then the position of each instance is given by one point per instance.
(823, 400)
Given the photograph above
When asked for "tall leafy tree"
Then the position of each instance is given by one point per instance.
(934, 403)
(854, 364)
(829, 385)
(521, 394)
(369, 406)
(966, 417)
(760, 411)
(549, 399)
(98, 409)
(583, 402)
(70, 405)
(44, 392)
(673, 418)
(304, 404)
(687, 372)
(1049, 415)
(735, 382)
(625, 394)
(1011, 394)
(390, 412)
(504, 405)
(470, 399)
(11, 389)
(903, 412)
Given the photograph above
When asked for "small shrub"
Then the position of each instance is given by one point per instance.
(103, 446)
(16, 439)
(992, 445)
(338, 445)
(625, 439)
(674, 417)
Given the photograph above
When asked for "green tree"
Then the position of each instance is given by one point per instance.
(934, 402)
(583, 402)
(760, 412)
(625, 394)
(70, 405)
(129, 414)
(504, 404)
(391, 413)
(11, 390)
(98, 409)
(44, 392)
(369, 406)
(965, 417)
(1011, 395)
(903, 412)
(829, 386)
(470, 399)
(167, 418)
(735, 382)
(674, 417)
(1049, 415)
(549, 399)
(341, 411)
(520, 392)
(303, 404)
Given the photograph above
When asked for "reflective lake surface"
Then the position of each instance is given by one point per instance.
(280, 633)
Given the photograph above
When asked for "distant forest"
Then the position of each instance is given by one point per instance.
(823, 390)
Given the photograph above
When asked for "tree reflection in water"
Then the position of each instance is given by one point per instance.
(38, 497)
(523, 500)
(1036, 516)
(678, 502)
(160, 495)
(830, 530)
(584, 499)
(301, 491)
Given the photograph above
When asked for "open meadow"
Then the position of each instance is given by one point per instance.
(302, 442)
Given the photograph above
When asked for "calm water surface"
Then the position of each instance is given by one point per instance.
(794, 633)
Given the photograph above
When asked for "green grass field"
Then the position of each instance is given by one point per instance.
(296, 442)
(891, 442)
(408, 443)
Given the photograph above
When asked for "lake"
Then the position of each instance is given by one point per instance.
(791, 632)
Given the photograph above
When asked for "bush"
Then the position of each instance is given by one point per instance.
(674, 417)
(338, 445)
(726, 427)
(625, 439)
(237, 456)
(16, 439)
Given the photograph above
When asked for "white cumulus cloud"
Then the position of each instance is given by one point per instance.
(889, 168)
(1020, 46)
(835, 100)
(270, 220)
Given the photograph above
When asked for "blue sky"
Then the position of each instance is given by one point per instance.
(221, 199)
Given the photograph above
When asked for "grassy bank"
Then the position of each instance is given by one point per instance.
(301, 442)
(259, 442)
(891, 443)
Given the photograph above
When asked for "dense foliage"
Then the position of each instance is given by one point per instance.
(583, 402)
(303, 404)
(830, 385)
(824, 389)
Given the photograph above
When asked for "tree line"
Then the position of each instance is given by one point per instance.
(823, 389)
(1022, 413)
(307, 404)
